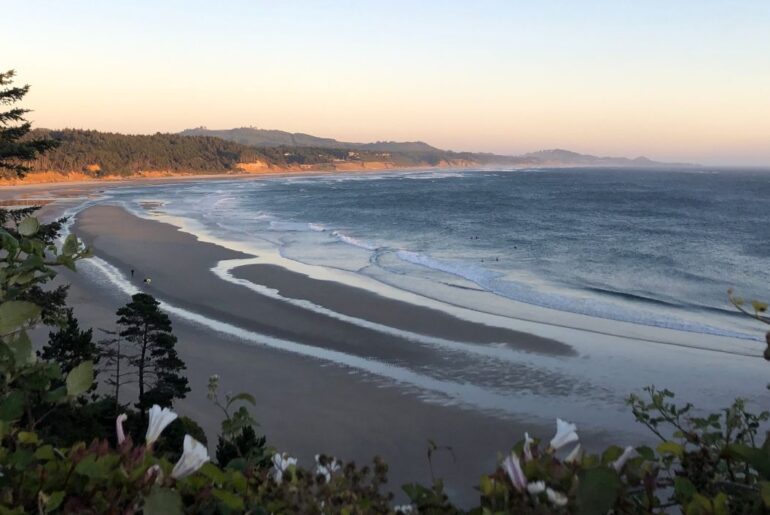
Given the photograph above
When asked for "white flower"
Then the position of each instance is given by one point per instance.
(193, 457)
(556, 498)
(628, 453)
(512, 467)
(536, 488)
(119, 427)
(528, 447)
(280, 463)
(574, 455)
(565, 433)
(159, 420)
(404, 508)
(326, 470)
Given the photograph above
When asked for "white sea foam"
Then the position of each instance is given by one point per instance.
(224, 270)
(491, 281)
(350, 240)
(465, 394)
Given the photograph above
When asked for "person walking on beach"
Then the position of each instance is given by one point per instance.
(132, 273)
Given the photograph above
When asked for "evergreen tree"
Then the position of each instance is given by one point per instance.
(112, 352)
(15, 149)
(69, 346)
(157, 363)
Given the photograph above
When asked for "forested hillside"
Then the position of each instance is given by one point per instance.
(108, 154)
(103, 153)
(263, 138)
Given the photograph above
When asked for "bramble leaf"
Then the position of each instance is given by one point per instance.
(80, 379)
(29, 226)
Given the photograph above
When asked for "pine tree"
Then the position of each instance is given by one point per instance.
(157, 363)
(69, 346)
(15, 149)
(113, 356)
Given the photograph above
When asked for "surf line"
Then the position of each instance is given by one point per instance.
(464, 394)
(194, 228)
(224, 269)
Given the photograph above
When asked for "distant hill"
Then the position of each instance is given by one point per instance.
(560, 157)
(264, 138)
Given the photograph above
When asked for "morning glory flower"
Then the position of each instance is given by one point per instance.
(159, 420)
(556, 498)
(528, 447)
(628, 453)
(280, 463)
(119, 427)
(536, 488)
(326, 470)
(565, 433)
(574, 455)
(193, 457)
(512, 467)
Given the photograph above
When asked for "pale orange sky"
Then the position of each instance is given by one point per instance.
(687, 82)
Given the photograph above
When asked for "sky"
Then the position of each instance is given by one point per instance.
(673, 80)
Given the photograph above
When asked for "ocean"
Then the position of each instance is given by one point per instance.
(656, 248)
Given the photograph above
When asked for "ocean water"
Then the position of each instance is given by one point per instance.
(655, 248)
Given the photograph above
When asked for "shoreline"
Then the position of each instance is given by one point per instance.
(171, 177)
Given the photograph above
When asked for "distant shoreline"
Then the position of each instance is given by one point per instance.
(43, 179)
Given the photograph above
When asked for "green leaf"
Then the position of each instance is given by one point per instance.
(29, 226)
(15, 313)
(27, 437)
(12, 406)
(45, 453)
(80, 379)
(162, 501)
(71, 245)
(597, 491)
(212, 472)
(764, 492)
(684, 489)
(66, 261)
(671, 448)
(231, 500)
(486, 486)
(21, 348)
(54, 501)
(612, 453)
